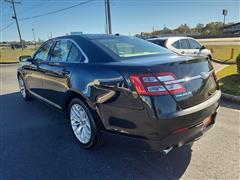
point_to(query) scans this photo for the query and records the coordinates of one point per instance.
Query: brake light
(151, 84)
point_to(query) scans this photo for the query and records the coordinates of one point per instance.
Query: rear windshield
(127, 47)
(159, 42)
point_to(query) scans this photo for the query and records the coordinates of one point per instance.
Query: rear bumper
(181, 138)
(173, 140)
(163, 132)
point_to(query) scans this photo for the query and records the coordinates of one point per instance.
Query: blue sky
(128, 16)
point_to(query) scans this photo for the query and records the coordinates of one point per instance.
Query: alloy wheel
(80, 123)
(22, 87)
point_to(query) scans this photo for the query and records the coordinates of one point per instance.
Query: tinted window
(184, 44)
(194, 44)
(42, 53)
(176, 45)
(125, 47)
(159, 42)
(75, 55)
(61, 50)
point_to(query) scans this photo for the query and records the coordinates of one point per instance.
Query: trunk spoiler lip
(202, 75)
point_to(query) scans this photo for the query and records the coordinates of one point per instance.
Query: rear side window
(159, 42)
(61, 50)
(184, 44)
(42, 53)
(75, 55)
(176, 45)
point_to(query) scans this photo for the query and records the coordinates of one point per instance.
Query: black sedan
(124, 86)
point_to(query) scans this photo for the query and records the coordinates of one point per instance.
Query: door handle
(182, 52)
(65, 71)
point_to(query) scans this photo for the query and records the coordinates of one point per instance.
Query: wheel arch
(19, 74)
(71, 94)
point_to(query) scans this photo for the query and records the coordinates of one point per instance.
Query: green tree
(213, 28)
(183, 29)
(199, 28)
(166, 30)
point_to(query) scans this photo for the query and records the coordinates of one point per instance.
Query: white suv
(182, 45)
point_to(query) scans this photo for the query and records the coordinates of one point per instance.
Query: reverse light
(151, 84)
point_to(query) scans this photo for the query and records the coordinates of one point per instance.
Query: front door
(57, 72)
(33, 70)
(195, 47)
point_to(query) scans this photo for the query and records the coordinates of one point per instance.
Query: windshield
(158, 42)
(126, 47)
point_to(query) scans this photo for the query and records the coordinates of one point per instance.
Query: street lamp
(34, 37)
(225, 12)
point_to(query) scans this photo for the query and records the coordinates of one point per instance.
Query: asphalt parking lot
(36, 142)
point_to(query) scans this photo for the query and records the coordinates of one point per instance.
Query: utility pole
(108, 17)
(16, 19)
(34, 37)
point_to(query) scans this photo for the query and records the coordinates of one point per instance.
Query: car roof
(172, 38)
(90, 36)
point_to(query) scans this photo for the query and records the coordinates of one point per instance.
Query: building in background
(232, 29)
(76, 33)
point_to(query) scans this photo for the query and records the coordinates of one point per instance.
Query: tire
(23, 90)
(210, 57)
(83, 124)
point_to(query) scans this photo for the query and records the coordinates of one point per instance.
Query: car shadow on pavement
(36, 142)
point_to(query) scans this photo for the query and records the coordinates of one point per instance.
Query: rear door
(185, 48)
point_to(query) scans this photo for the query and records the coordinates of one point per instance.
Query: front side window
(194, 44)
(60, 51)
(184, 44)
(42, 53)
(126, 47)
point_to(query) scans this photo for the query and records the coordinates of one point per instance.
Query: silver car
(183, 46)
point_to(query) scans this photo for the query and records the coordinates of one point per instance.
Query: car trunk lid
(189, 80)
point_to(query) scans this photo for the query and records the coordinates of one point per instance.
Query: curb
(9, 62)
(222, 62)
(230, 97)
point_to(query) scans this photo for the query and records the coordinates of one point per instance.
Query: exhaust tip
(167, 150)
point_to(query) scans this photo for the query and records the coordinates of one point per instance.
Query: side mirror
(25, 58)
(202, 47)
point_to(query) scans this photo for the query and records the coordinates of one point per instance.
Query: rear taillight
(151, 84)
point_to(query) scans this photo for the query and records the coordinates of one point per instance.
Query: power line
(56, 11)
(3, 8)
(6, 27)
(24, 10)
(12, 2)
(33, 7)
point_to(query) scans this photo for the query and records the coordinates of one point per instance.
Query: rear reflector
(180, 130)
(207, 121)
(156, 84)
